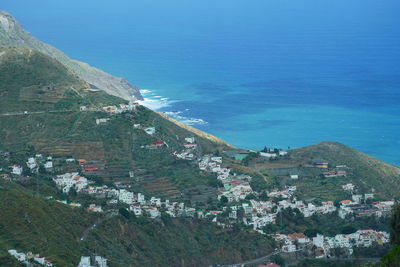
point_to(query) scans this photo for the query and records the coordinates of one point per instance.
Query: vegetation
(367, 173)
(292, 221)
(30, 223)
(392, 258)
(54, 125)
(15, 36)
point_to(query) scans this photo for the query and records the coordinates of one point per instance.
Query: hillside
(367, 173)
(32, 81)
(41, 112)
(13, 35)
(31, 223)
(54, 125)
(150, 191)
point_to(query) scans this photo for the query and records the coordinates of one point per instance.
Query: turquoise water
(277, 73)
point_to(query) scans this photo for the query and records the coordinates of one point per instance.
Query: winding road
(86, 232)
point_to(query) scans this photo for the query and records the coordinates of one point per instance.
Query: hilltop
(369, 174)
(13, 35)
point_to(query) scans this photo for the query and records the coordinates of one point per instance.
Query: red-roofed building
(158, 143)
(91, 169)
(81, 161)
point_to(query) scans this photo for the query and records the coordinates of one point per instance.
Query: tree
(125, 213)
(348, 229)
(223, 200)
(250, 196)
(278, 259)
(263, 196)
(392, 258)
(266, 150)
(312, 232)
(395, 226)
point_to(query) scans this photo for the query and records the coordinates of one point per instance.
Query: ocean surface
(285, 73)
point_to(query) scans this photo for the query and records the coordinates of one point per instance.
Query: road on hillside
(265, 258)
(19, 113)
(95, 224)
(253, 261)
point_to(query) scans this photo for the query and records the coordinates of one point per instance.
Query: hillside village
(30, 259)
(239, 203)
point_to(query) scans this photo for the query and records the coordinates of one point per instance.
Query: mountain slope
(30, 223)
(54, 124)
(13, 35)
(369, 174)
(32, 81)
(51, 96)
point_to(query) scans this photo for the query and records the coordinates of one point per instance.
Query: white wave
(145, 91)
(155, 104)
(186, 120)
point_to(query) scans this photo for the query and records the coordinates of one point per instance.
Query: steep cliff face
(13, 35)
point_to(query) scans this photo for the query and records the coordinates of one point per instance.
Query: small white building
(357, 198)
(150, 130)
(16, 169)
(102, 120)
(31, 163)
(190, 140)
(48, 166)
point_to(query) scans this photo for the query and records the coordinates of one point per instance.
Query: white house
(190, 140)
(16, 169)
(31, 163)
(348, 187)
(150, 130)
(318, 241)
(125, 196)
(357, 198)
(153, 212)
(140, 198)
(48, 165)
(155, 201)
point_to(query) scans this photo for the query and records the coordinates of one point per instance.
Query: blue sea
(285, 73)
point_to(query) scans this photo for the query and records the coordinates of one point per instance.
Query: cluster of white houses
(26, 258)
(260, 213)
(235, 187)
(131, 106)
(93, 261)
(324, 245)
(137, 202)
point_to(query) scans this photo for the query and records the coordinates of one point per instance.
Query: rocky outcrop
(13, 35)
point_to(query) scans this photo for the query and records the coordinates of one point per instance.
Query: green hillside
(51, 96)
(45, 108)
(30, 223)
(367, 173)
(13, 35)
(32, 81)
